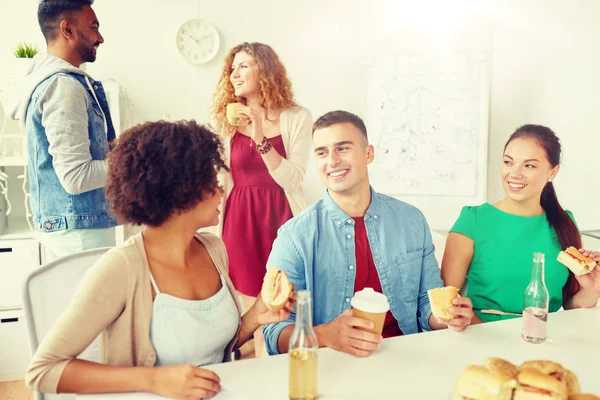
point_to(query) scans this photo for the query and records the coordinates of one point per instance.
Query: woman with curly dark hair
(163, 298)
(267, 157)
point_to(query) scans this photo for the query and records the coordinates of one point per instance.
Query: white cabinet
(14, 347)
(18, 258)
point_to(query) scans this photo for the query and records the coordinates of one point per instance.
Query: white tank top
(192, 332)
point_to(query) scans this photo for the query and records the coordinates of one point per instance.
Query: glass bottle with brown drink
(303, 352)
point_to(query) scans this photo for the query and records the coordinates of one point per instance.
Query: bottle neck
(303, 313)
(537, 271)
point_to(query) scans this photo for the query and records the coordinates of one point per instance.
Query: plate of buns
(499, 379)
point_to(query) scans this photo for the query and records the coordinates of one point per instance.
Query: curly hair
(275, 87)
(161, 168)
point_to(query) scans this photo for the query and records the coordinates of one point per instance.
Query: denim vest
(52, 207)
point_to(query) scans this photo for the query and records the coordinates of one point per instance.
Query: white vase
(21, 67)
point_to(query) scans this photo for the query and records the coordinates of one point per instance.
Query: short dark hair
(340, 117)
(158, 169)
(52, 12)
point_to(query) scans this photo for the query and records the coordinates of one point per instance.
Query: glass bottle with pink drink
(535, 304)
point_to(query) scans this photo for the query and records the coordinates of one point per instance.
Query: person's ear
(67, 30)
(370, 154)
(553, 173)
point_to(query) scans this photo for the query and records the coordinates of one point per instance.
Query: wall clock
(198, 41)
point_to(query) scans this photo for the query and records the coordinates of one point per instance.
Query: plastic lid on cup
(368, 300)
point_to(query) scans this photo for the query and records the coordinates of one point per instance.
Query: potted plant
(25, 50)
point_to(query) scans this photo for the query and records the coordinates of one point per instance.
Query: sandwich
(556, 371)
(479, 383)
(441, 300)
(276, 289)
(576, 262)
(234, 118)
(535, 385)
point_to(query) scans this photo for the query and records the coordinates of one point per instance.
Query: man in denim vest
(69, 129)
(355, 238)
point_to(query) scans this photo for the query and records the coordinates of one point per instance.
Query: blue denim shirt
(316, 249)
(53, 208)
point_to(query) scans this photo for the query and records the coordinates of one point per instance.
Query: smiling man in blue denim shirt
(322, 250)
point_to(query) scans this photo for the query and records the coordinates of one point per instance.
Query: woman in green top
(492, 245)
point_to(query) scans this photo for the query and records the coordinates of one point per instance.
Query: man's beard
(86, 53)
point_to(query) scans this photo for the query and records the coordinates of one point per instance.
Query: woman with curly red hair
(267, 158)
(163, 298)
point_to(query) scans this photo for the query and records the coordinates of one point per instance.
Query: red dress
(255, 209)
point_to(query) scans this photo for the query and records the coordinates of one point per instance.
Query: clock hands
(199, 41)
(193, 38)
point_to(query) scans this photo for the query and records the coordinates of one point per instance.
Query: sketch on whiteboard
(425, 118)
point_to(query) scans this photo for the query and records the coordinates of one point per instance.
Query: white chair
(47, 292)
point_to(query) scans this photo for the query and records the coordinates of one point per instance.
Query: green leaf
(25, 50)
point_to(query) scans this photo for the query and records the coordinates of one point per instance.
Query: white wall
(543, 62)
(546, 64)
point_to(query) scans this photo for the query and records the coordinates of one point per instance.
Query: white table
(422, 366)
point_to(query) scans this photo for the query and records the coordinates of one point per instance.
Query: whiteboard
(427, 117)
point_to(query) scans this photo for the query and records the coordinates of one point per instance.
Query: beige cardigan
(114, 296)
(296, 132)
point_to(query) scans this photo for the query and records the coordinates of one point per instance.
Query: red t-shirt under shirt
(366, 273)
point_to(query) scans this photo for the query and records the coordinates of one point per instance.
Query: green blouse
(503, 256)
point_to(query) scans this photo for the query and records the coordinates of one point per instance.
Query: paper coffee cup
(371, 305)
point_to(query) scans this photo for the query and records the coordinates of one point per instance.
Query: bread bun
(440, 300)
(556, 370)
(543, 366)
(535, 385)
(477, 382)
(234, 118)
(575, 261)
(501, 366)
(276, 289)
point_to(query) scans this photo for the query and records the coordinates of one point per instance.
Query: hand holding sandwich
(590, 281)
(264, 315)
(274, 304)
(450, 310)
(257, 117)
(276, 299)
(583, 265)
(259, 314)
